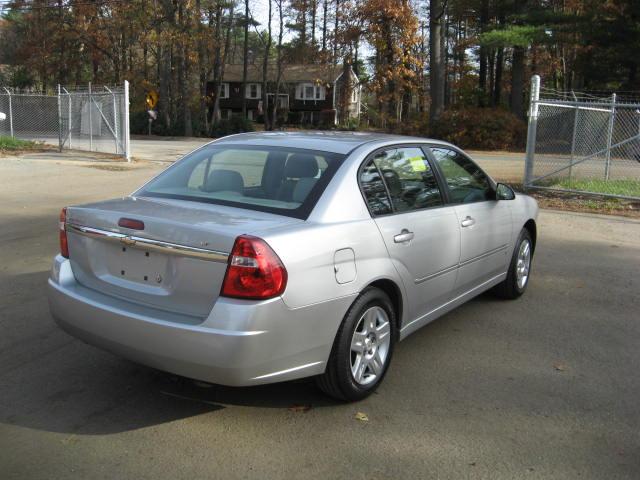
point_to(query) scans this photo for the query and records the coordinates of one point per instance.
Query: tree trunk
(517, 82)
(274, 118)
(265, 67)
(437, 73)
(335, 33)
(183, 71)
(245, 59)
(202, 65)
(497, 83)
(314, 10)
(482, 74)
(325, 6)
(227, 46)
(214, 115)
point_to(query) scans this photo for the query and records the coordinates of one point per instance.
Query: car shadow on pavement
(53, 382)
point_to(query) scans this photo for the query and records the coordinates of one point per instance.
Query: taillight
(64, 245)
(254, 270)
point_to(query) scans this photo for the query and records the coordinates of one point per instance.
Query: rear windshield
(281, 180)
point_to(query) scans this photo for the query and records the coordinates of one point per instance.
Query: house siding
(298, 112)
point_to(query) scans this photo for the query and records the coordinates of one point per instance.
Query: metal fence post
(90, 121)
(125, 123)
(59, 120)
(612, 119)
(10, 112)
(532, 129)
(573, 140)
(69, 115)
(115, 120)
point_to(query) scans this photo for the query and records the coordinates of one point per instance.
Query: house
(308, 94)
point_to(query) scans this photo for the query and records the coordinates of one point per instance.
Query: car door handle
(404, 236)
(467, 222)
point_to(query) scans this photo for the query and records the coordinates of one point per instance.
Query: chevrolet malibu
(267, 257)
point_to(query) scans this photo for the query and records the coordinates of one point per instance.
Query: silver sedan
(267, 257)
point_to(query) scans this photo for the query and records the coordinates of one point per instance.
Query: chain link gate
(91, 119)
(583, 144)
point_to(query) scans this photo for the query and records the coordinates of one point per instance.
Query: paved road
(505, 166)
(543, 387)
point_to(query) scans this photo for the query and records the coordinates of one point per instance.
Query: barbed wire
(625, 96)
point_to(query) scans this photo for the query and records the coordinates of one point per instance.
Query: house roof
(290, 73)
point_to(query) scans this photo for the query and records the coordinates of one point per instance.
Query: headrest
(392, 180)
(224, 180)
(301, 165)
(302, 189)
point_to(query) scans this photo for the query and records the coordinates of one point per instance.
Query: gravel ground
(543, 387)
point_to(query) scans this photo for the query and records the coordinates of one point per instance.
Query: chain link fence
(583, 143)
(91, 119)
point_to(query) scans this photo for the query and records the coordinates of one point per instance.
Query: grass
(627, 188)
(9, 144)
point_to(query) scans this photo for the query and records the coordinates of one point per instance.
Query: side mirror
(504, 192)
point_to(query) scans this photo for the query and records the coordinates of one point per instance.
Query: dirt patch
(22, 151)
(110, 168)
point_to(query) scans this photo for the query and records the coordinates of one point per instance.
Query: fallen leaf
(70, 440)
(560, 367)
(300, 408)
(363, 417)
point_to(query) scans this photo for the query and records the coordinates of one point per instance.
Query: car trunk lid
(176, 263)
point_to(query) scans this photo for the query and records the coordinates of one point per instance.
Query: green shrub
(481, 128)
(236, 124)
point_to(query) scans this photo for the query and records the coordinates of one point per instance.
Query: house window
(224, 90)
(254, 90)
(354, 95)
(309, 91)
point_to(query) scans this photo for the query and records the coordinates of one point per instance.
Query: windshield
(281, 180)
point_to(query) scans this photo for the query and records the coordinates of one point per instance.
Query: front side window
(274, 179)
(407, 177)
(466, 181)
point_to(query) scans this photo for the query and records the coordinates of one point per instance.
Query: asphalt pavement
(546, 386)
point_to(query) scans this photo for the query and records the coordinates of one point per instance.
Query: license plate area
(139, 265)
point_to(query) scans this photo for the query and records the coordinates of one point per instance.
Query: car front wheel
(362, 349)
(519, 269)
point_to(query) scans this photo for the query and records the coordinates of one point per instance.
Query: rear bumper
(240, 343)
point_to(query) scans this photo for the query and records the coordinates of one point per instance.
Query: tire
(339, 380)
(515, 284)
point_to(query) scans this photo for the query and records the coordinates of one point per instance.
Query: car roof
(327, 141)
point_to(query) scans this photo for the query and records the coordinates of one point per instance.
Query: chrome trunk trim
(149, 244)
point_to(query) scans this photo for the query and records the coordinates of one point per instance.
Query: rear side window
(407, 180)
(374, 190)
(272, 179)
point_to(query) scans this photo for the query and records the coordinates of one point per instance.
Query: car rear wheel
(362, 349)
(519, 269)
